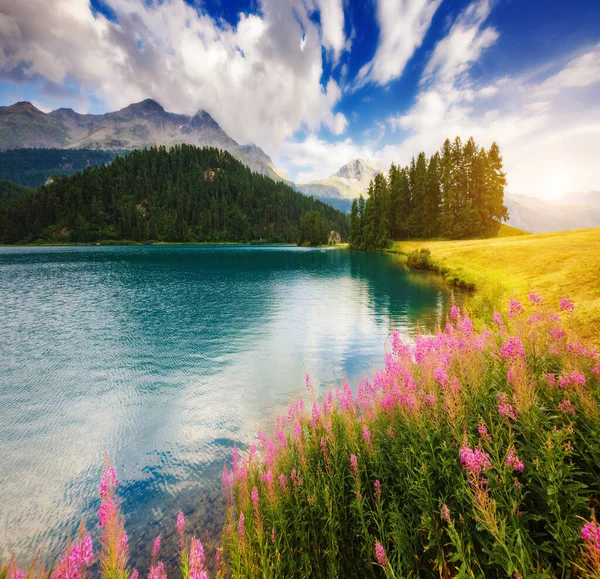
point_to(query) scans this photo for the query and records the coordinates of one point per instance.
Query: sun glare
(555, 185)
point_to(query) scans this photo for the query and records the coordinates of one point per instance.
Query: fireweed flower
(514, 462)
(483, 433)
(505, 409)
(366, 435)
(445, 513)
(550, 380)
(135, 574)
(380, 554)
(106, 512)
(514, 308)
(255, 496)
(180, 525)
(196, 558)
(557, 334)
(498, 319)
(158, 571)
(273, 535)
(124, 544)
(566, 305)
(156, 548)
(18, 574)
(475, 461)
(354, 465)
(567, 407)
(283, 482)
(454, 312)
(241, 529)
(377, 486)
(512, 349)
(535, 298)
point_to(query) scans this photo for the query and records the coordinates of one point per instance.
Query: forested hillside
(456, 193)
(10, 190)
(182, 194)
(32, 167)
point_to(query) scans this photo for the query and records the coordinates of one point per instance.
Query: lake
(163, 357)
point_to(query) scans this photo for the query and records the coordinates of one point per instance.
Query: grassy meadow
(555, 265)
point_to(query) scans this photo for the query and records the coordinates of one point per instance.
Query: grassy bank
(554, 264)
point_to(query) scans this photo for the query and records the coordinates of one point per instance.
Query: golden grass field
(555, 265)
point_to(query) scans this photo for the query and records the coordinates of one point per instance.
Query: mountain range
(136, 126)
(147, 123)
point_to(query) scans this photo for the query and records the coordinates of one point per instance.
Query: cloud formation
(261, 79)
(402, 27)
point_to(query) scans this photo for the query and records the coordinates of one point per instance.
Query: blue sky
(317, 83)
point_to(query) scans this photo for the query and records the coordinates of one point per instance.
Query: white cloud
(313, 158)
(402, 27)
(332, 26)
(463, 45)
(581, 71)
(261, 79)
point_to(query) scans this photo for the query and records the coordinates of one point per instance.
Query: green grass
(555, 265)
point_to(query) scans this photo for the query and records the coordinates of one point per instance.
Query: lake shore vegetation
(473, 452)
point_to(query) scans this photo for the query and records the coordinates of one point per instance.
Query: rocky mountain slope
(348, 182)
(136, 126)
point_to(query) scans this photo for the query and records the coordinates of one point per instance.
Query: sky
(317, 83)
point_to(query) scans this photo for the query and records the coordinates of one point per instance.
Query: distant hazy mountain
(348, 182)
(136, 126)
(537, 216)
(589, 199)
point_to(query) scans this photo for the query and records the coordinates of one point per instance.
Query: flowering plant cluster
(474, 452)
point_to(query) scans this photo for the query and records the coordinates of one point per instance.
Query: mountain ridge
(136, 126)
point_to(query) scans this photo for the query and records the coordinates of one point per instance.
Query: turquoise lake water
(164, 357)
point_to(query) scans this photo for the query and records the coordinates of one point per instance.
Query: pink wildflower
(158, 571)
(517, 484)
(567, 407)
(477, 461)
(134, 575)
(440, 375)
(590, 533)
(366, 435)
(483, 433)
(307, 381)
(566, 305)
(297, 429)
(269, 479)
(255, 496)
(196, 558)
(354, 465)
(514, 462)
(514, 308)
(283, 482)
(596, 370)
(454, 312)
(445, 513)
(512, 348)
(380, 554)
(124, 544)
(18, 574)
(377, 486)
(505, 409)
(557, 334)
(180, 524)
(106, 512)
(273, 535)
(573, 379)
(498, 319)
(550, 380)
(109, 482)
(535, 298)
(156, 548)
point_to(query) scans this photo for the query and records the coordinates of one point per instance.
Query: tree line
(32, 167)
(179, 194)
(457, 193)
